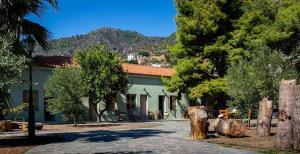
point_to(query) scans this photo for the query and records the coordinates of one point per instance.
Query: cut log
(25, 127)
(235, 128)
(264, 118)
(284, 139)
(38, 126)
(199, 122)
(5, 125)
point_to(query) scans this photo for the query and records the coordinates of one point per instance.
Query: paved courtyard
(171, 137)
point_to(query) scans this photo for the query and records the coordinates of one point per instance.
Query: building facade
(146, 98)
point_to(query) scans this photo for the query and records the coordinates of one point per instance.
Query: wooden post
(264, 118)
(249, 118)
(198, 120)
(284, 138)
(296, 119)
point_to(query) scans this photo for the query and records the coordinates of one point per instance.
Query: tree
(201, 51)
(249, 81)
(144, 53)
(11, 67)
(104, 75)
(212, 35)
(13, 17)
(66, 90)
(270, 23)
(14, 13)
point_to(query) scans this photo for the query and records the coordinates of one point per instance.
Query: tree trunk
(74, 121)
(92, 111)
(249, 118)
(296, 118)
(107, 105)
(198, 120)
(226, 127)
(264, 118)
(97, 113)
(284, 138)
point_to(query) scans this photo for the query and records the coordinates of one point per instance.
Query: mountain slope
(115, 39)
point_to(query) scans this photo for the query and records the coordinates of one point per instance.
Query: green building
(145, 99)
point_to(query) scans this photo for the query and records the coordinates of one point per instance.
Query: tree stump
(284, 139)
(229, 128)
(264, 118)
(199, 122)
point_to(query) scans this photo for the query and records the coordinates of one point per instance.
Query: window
(173, 103)
(35, 98)
(130, 102)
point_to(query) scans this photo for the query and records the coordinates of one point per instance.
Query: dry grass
(251, 142)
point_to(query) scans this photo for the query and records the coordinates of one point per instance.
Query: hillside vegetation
(116, 39)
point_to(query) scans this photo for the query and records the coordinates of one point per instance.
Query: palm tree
(13, 15)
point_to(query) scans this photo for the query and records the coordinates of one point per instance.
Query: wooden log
(198, 120)
(5, 125)
(296, 119)
(264, 118)
(38, 126)
(234, 128)
(284, 139)
(25, 127)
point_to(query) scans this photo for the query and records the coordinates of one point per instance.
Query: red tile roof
(147, 70)
(52, 61)
(63, 61)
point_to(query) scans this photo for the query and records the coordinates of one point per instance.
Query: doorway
(143, 107)
(161, 104)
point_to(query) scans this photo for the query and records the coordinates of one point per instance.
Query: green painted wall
(151, 86)
(39, 77)
(139, 85)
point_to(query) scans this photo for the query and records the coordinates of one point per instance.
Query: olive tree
(65, 90)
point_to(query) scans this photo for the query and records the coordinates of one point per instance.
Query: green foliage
(14, 16)
(275, 24)
(212, 35)
(202, 31)
(11, 67)
(16, 110)
(66, 90)
(103, 73)
(144, 53)
(115, 39)
(132, 62)
(251, 80)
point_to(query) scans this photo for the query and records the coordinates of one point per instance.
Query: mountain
(116, 39)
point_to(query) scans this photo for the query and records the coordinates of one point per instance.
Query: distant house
(132, 57)
(146, 95)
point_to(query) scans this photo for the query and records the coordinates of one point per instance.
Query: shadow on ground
(126, 152)
(88, 136)
(24, 141)
(109, 136)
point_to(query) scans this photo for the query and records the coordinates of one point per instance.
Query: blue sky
(149, 17)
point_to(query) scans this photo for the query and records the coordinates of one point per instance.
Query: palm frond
(40, 33)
